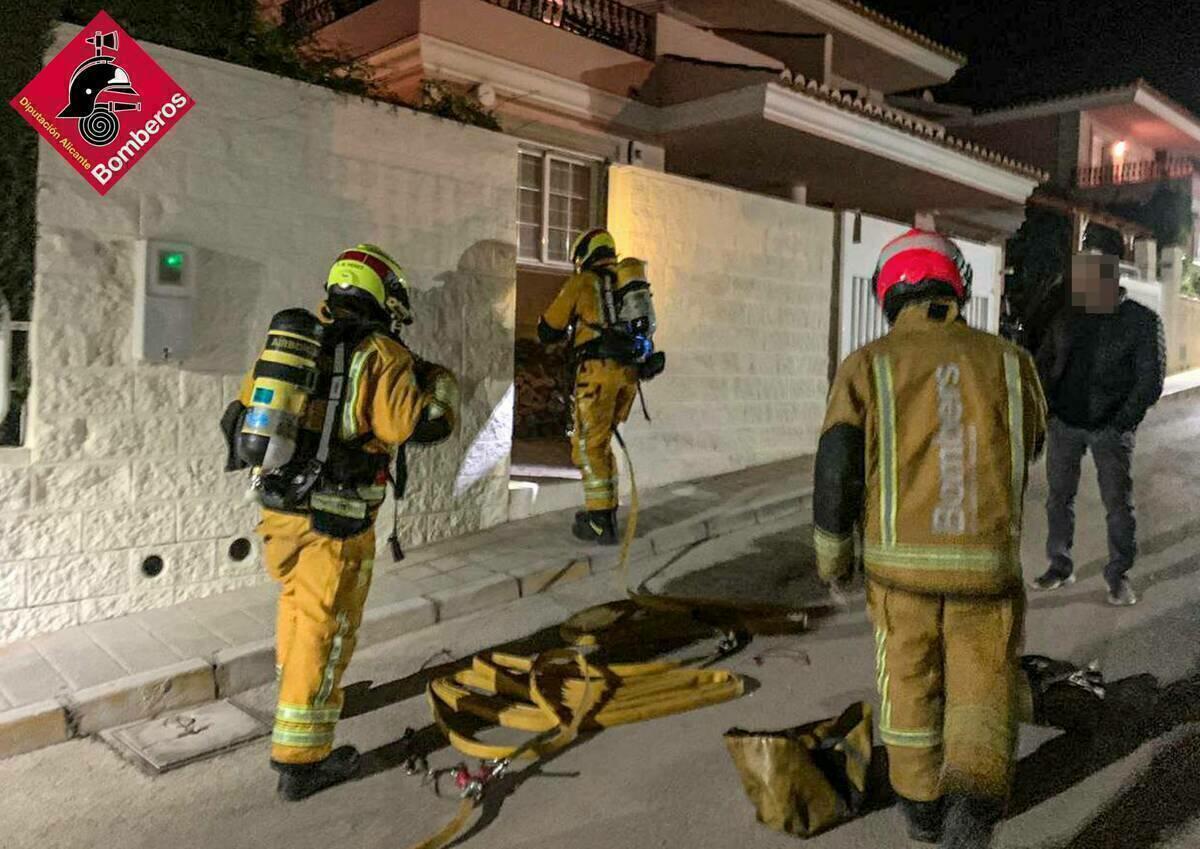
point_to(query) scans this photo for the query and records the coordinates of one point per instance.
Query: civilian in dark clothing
(1102, 364)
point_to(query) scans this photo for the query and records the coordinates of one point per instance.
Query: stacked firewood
(543, 390)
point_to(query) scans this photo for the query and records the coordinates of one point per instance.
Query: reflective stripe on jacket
(926, 446)
(381, 406)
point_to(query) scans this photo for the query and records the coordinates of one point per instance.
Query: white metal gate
(862, 319)
(1148, 293)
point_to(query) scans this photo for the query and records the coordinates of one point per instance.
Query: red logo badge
(102, 103)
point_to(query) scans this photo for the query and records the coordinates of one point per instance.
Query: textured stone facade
(742, 292)
(268, 179)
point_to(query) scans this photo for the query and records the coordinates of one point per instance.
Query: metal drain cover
(176, 739)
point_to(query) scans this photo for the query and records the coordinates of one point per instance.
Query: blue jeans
(1113, 453)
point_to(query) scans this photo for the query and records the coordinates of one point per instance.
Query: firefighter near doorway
(332, 397)
(606, 311)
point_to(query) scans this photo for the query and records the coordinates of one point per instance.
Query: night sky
(1028, 49)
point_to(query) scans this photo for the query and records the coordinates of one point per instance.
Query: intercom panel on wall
(164, 301)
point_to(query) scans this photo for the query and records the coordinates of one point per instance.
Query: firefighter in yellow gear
(321, 547)
(925, 448)
(606, 380)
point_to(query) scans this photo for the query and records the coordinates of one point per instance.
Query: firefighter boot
(1064, 695)
(970, 822)
(299, 781)
(596, 526)
(924, 819)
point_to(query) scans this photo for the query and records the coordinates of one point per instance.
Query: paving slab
(447, 562)
(27, 677)
(415, 572)
(388, 589)
(489, 592)
(681, 536)
(733, 521)
(78, 659)
(182, 632)
(262, 612)
(169, 742)
(267, 593)
(232, 625)
(606, 559)
(134, 648)
(546, 575)
(388, 621)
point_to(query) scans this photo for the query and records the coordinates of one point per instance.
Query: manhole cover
(171, 741)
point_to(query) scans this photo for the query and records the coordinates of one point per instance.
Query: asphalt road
(669, 783)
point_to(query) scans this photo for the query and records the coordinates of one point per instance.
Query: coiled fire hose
(557, 694)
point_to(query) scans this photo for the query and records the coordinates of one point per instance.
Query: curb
(31, 727)
(243, 667)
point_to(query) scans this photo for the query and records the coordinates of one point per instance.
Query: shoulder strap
(608, 304)
(333, 407)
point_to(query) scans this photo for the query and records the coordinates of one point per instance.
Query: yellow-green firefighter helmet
(592, 248)
(366, 275)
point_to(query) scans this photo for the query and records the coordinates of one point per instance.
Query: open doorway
(560, 195)
(541, 447)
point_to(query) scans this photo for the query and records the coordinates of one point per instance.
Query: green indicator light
(170, 267)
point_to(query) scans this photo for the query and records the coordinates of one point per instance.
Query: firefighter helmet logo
(119, 102)
(96, 78)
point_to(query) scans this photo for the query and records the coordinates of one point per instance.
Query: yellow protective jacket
(382, 400)
(925, 448)
(580, 300)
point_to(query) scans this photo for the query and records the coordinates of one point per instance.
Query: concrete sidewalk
(85, 679)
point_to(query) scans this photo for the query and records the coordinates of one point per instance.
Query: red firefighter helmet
(918, 259)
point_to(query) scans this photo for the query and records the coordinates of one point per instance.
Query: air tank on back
(285, 375)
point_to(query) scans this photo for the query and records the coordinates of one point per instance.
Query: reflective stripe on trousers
(325, 583)
(604, 395)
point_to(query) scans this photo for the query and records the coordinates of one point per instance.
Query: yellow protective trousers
(951, 690)
(604, 394)
(324, 585)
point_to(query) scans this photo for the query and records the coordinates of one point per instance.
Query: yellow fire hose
(558, 693)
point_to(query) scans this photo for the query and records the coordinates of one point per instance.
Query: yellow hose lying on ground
(624, 621)
(557, 694)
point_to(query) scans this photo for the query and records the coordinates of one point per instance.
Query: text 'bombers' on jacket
(925, 446)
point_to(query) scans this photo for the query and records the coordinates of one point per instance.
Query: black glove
(653, 366)
(231, 424)
(440, 416)
(548, 335)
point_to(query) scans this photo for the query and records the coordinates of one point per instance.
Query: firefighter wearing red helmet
(924, 451)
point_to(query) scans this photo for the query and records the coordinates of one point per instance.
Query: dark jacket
(1103, 371)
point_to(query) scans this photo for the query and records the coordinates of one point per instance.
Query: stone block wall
(742, 289)
(269, 179)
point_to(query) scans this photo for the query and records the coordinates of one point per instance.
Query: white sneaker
(1122, 595)
(1051, 581)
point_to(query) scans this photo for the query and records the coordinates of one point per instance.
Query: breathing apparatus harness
(626, 333)
(336, 483)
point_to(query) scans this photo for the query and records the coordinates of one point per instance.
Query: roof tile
(906, 31)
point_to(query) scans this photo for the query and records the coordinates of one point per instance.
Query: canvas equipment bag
(807, 779)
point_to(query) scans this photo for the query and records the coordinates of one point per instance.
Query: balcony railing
(311, 15)
(1145, 171)
(605, 21)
